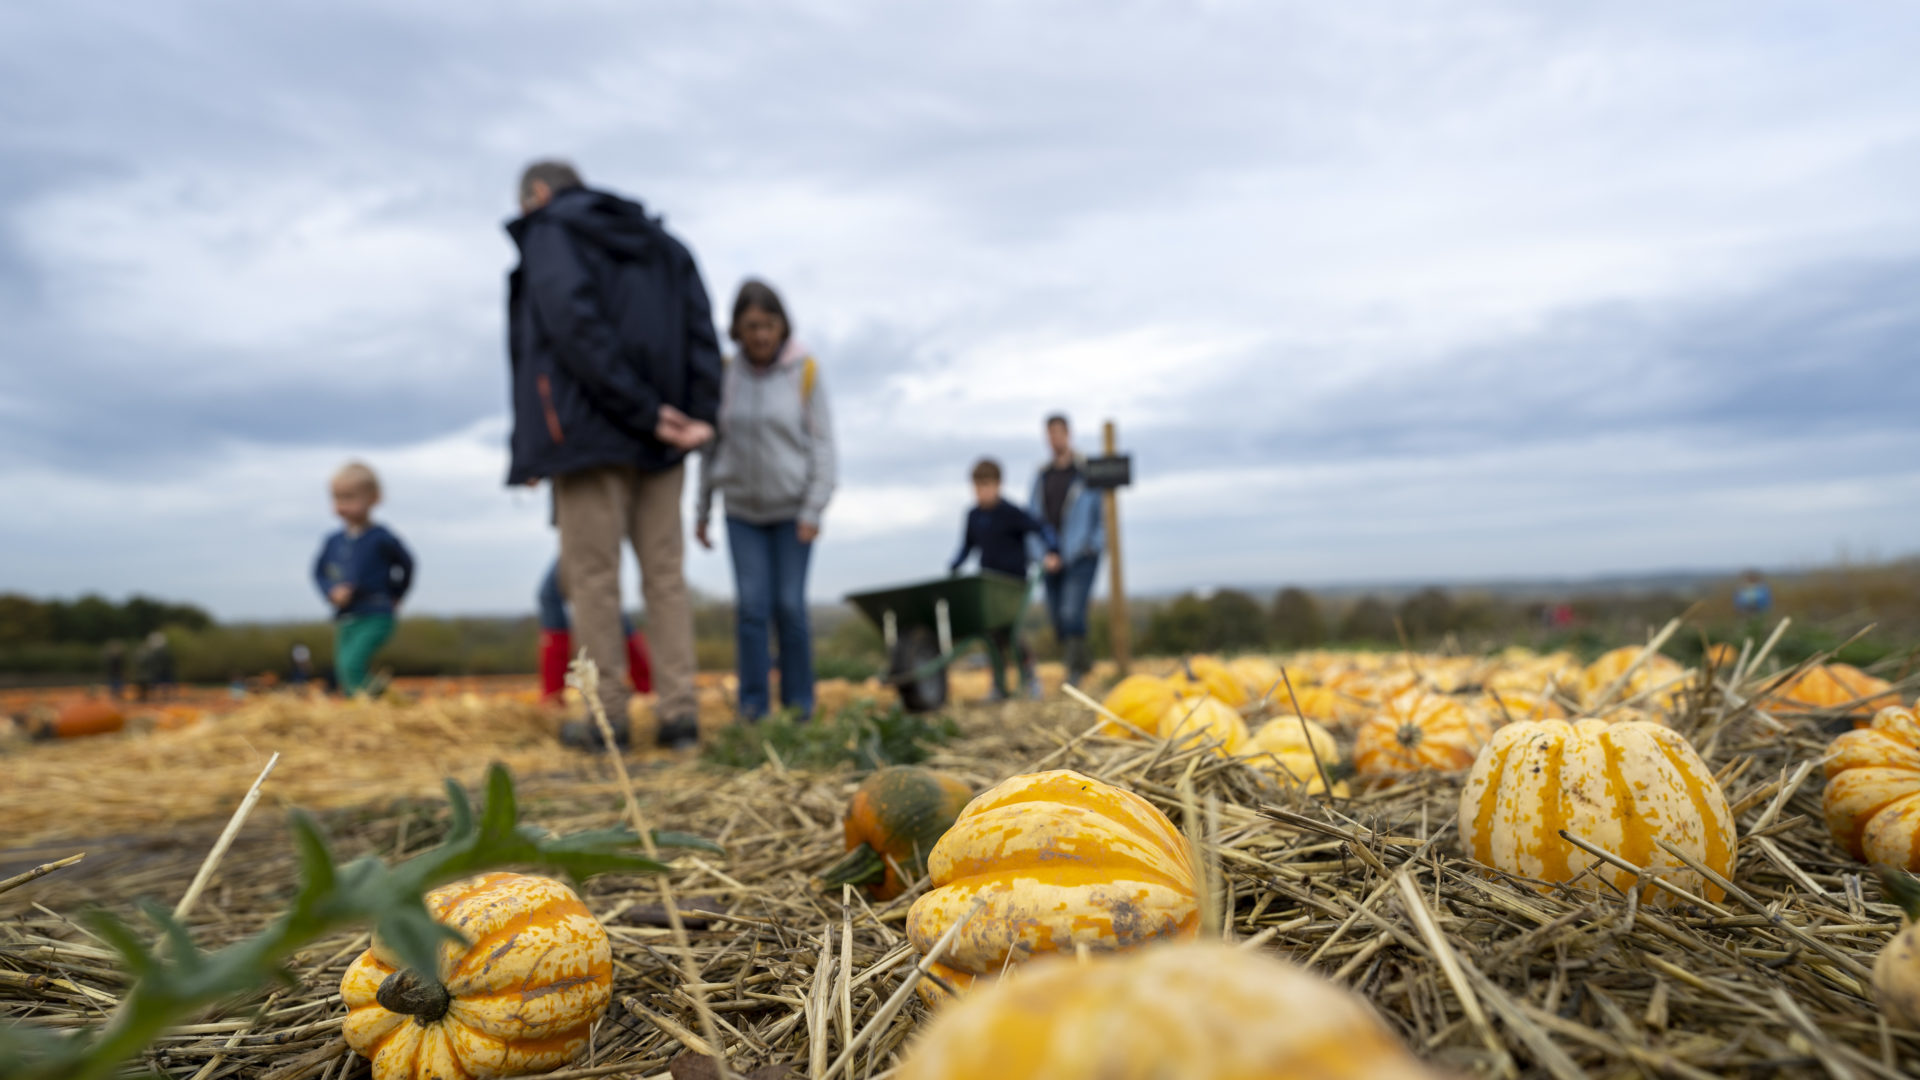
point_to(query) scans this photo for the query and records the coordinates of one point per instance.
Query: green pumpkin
(895, 818)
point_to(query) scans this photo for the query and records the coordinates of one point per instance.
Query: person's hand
(340, 594)
(677, 429)
(807, 531)
(694, 435)
(700, 534)
(1051, 562)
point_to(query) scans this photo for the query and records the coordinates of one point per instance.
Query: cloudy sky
(1395, 291)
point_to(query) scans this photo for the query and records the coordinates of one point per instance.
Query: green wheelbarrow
(926, 624)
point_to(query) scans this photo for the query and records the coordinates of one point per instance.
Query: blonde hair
(355, 474)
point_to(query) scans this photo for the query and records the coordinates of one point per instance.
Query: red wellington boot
(639, 663)
(556, 649)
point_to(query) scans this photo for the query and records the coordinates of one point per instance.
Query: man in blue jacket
(1062, 500)
(616, 376)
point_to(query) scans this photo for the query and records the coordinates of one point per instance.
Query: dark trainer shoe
(585, 735)
(680, 734)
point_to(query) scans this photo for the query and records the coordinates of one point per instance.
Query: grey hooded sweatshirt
(773, 457)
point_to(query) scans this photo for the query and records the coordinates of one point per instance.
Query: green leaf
(415, 937)
(459, 813)
(317, 878)
(502, 812)
(181, 951)
(331, 897)
(686, 841)
(120, 936)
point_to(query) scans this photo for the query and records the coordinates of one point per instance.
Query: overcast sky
(1382, 291)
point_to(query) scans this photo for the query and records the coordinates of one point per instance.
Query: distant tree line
(90, 620)
(1229, 620)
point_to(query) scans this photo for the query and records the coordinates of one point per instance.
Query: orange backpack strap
(809, 374)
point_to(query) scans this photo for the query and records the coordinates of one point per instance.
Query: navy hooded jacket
(607, 319)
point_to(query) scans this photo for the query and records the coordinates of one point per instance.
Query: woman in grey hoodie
(773, 463)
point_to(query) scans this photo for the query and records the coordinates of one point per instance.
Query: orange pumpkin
(1205, 719)
(895, 818)
(519, 996)
(1140, 700)
(80, 719)
(1061, 860)
(1872, 800)
(1196, 1011)
(1417, 731)
(1617, 786)
(1826, 687)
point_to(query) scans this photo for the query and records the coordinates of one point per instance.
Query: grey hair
(556, 174)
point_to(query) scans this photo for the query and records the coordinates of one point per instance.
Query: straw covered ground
(1479, 974)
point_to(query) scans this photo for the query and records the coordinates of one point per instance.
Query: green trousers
(355, 639)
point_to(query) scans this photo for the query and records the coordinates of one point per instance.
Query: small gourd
(1198, 1011)
(1140, 700)
(1620, 787)
(519, 996)
(1417, 731)
(1297, 752)
(1061, 860)
(895, 818)
(1872, 798)
(1205, 719)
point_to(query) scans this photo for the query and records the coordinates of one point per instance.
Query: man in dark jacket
(616, 376)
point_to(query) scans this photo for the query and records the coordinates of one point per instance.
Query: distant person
(300, 666)
(616, 376)
(1754, 597)
(998, 530)
(773, 463)
(556, 642)
(114, 658)
(364, 572)
(153, 667)
(1062, 499)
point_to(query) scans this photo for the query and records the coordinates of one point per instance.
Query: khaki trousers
(596, 509)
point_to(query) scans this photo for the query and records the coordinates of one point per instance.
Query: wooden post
(1120, 631)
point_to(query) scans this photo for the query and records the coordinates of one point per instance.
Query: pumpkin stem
(1409, 735)
(407, 991)
(861, 866)
(1903, 889)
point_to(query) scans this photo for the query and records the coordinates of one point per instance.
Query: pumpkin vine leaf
(176, 978)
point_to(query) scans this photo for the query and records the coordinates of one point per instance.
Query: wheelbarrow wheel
(917, 649)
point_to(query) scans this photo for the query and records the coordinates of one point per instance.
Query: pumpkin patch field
(1323, 864)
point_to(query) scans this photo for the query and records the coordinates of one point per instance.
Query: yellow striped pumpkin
(1061, 860)
(1416, 731)
(520, 996)
(1195, 1011)
(1619, 787)
(1872, 800)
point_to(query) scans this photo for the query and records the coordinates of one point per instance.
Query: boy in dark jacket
(998, 530)
(364, 572)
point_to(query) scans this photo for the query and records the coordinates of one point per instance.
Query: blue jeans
(1068, 593)
(770, 594)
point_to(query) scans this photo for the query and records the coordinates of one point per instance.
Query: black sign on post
(1110, 472)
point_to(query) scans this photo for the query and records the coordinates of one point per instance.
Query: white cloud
(1288, 246)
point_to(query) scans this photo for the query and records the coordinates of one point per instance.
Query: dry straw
(1477, 972)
